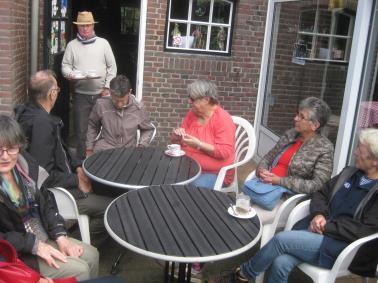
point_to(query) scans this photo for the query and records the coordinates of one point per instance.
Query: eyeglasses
(301, 117)
(57, 89)
(10, 151)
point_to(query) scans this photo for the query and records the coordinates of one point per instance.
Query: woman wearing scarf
(29, 218)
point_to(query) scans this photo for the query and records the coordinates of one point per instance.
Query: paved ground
(135, 268)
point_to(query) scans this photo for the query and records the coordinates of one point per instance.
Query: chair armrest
(298, 213)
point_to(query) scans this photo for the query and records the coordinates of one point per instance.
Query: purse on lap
(12, 269)
(263, 194)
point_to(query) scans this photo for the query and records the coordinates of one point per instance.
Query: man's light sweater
(94, 56)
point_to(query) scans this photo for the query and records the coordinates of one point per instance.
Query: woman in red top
(207, 133)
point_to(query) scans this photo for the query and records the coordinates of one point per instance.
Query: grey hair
(203, 88)
(318, 109)
(11, 133)
(370, 138)
(120, 86)
(40, 84)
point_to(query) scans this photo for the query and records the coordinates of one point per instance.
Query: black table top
(180, 224)
(134, 168)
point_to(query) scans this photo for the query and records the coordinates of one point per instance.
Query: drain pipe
(34, 36)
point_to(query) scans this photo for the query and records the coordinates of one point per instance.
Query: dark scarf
(86, 41)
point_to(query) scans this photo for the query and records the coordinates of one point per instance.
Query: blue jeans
(282, 253)
(206, 181)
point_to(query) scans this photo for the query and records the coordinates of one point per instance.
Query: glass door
(307, 52)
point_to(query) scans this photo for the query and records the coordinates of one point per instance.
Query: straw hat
(85, 18)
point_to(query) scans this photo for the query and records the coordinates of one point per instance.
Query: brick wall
(14, 49)
(166, 74)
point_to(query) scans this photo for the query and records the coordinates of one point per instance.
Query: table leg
(183, 275)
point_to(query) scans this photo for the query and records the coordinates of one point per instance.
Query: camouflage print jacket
(310, 167)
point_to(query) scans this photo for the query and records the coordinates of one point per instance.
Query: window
(199, 26)
(324, 35)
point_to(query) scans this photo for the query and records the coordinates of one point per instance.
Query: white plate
(181, 153)
(250, 214)
(78, 77)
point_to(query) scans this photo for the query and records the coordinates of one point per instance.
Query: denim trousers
(206, 181)
(282, 253)
(82, 107)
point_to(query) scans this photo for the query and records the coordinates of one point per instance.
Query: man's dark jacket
(345, 228)
(45, 144)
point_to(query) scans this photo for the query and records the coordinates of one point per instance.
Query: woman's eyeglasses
(10, 151)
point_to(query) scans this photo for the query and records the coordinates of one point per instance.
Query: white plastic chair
(244, 149)
(152, 137)
(68, 209)
(340, 267)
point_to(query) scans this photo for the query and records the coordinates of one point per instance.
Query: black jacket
(43, 131)
(347, 229)
(11, 225)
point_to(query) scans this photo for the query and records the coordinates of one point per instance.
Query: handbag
(13, 270)
(263, 194)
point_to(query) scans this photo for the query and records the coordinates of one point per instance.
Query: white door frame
(352, 86)
(141, 48)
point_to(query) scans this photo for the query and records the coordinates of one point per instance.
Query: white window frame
(209, 25)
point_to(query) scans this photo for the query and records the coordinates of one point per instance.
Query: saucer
(168, 152)
(250, 214)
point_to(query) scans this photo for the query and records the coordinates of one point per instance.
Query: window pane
(176, 33)
(179, 9)
(342, 24)
(325, 22)
(218, 39)
(221, 12)
(200, 10)
(322, 50)
(199, 32)
(307, 21)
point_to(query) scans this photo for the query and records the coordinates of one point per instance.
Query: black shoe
(238, 276)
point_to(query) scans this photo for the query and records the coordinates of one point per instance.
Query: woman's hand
(191, 141)
(178, 134)
(45, 280)
(49, 254)
(269, 177)
(317, 224)
(69, 248)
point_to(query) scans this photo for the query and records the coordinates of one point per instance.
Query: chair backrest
(68, 210)
(298, 213)
(245, 140)
(152, 137)
(245, 145)
(66, 203)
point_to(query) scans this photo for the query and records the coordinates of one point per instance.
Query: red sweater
(218, 131)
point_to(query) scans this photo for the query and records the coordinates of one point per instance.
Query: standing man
(87, 53)
(43, 132)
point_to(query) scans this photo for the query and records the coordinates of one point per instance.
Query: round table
(136, 167)
(180, 224)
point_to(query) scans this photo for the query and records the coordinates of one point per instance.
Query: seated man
(43, 131)
(117, 118)
(343, 211)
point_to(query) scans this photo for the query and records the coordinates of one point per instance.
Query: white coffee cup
(174, 149)
(242, 203)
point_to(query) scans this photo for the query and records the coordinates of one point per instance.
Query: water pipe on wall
(34, 36)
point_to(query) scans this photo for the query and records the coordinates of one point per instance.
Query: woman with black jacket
(29, 218)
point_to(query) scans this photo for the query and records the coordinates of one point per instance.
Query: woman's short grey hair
(120, 86)
(11, 133)
(370, 138)
(318, 109)
(203, 88)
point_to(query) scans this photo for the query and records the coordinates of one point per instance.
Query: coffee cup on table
(174, 149)
(243, 205)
